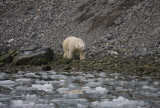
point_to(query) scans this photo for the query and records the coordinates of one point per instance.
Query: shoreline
(137, 65)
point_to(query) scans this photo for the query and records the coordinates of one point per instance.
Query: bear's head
(81, 48)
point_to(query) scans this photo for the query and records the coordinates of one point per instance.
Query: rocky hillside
(125, 26)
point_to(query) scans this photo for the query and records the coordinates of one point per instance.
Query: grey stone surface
(129, 26)
(34, 57)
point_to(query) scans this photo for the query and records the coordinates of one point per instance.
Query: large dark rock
(34, 57)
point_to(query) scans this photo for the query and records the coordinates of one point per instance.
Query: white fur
(73, 45)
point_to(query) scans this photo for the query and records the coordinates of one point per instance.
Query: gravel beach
(128, 27)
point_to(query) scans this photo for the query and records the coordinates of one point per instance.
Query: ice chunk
(58, 77)
(95, 104)
(45, 87)
(45, 82)
(62, 90)
(52, 72)
(31, 75)
(2, 105)
(93, 84)
(17, 103)
(31, 97)
(102, 74)
(155, 83)
(101, 90)
(89, 76)
(71, 95)
(88, 90)
(149, 88)
(2, 76)
(24, 80)
(98, 90)
(144, 83)
(7, 83)
(45, 76)
(81, 106)
(23, 88)
(120, 102)
(28, 104)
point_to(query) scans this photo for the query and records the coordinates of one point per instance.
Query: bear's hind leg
(70, 55)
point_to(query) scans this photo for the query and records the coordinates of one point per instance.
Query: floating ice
(88, 90)
(2, 105)
(31, 97)
(4, 98)
(155, 83)
(23, 88)
(73, 86)
(28, 104)
(149, 94)
(52, 72)
(24, 80)
(66, 103)
(71, 95)
(17, 103)
(149, 88)
(93, 84)
(144, 83)
(98, 90)
(101, 90)
(7, 83)
(2, 76)
(58, 77)
(116, 103)
(45, 87)
(62, 90)
(102, 74)
(45, 76)
(89, 76)
(122, 82)
(45, 82)
(31, 75)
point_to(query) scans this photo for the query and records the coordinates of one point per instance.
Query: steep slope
(125, 26)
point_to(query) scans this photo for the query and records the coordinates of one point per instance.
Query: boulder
(33, 57)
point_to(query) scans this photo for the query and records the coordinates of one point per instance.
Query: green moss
(131, 64)
(13, 53)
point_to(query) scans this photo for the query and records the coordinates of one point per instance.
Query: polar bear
(73, 45)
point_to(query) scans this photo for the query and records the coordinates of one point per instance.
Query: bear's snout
(85, 49)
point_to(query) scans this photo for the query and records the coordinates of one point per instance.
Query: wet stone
(77, 90)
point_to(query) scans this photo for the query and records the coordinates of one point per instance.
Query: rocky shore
(45, 60)
(129, 27)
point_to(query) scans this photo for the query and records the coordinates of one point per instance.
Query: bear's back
(67, 42)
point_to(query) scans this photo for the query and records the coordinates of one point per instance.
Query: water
(77, 90)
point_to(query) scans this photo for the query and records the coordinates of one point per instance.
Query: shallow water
(77, 90)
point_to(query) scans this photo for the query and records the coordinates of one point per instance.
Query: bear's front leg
(82, 56)
(70, 55)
